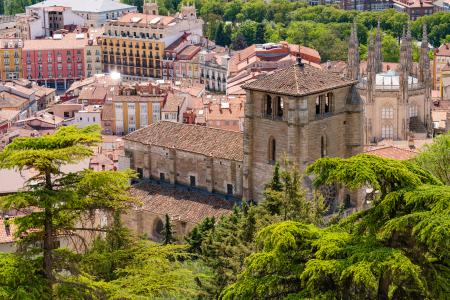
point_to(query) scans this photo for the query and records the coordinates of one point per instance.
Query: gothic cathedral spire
(353, 53)
(425, 76)
(371, 71)
(378, 54)
(405, 52)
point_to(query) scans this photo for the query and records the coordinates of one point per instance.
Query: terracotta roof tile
(93, 93)
(393, 153)
(298, 81)
(187, 206)
(173, 103)
(192, 138)
(443, 50)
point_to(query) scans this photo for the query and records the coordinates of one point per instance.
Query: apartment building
(134, 44)
(441, 61)
(93, 53)
(132, 112)
(414, 8)
(56, 62)
(11, 59)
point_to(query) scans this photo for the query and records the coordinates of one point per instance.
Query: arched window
(268, 105)
(323, 146)
(280, 107)
(272, 151)
(328, 103)
(158, 227)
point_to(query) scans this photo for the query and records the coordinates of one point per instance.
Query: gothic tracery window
(387, 113)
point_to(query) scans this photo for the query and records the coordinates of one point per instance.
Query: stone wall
(177, 166)
(149, 225)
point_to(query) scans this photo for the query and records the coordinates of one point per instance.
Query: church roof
(207, 141)
(298, 80)
(178, 203)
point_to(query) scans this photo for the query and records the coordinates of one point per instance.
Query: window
(387, 132)
(162, 176)
(272, 150)
(280, 107)
(328, 103)
(229, 189)
(192, 180)
(323, 146)
(268, 105)
(318, 105)
(413, 111)
(387, 113)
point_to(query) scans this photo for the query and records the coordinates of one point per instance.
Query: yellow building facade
(11, 59)
(132, 57)
(131, 113)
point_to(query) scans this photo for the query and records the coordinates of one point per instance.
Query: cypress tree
(168, 232)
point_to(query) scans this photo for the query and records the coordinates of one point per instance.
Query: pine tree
(168, 232)
(198, 234)
(397, 249)
(219, 35)
(58, 201)
(260, 33)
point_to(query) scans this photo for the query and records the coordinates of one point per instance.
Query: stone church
(397, 103)
(300, 113)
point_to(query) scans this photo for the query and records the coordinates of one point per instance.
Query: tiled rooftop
(393, 152)
(139, 18)
(69, 41)
(298, 80)
(173, 103)
(180, 204)
(192, 138)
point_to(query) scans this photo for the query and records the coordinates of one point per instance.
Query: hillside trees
(436, 158)
(397, 249)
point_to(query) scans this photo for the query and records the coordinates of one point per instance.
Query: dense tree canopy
(396, 249)
(436, 158)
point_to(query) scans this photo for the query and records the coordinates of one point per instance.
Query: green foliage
(21, 278)
(390, 48)
(168, 232)
(158, 272)
(397, 249)
(57, 202)
(195, 238)
(436, 158)
(225, 245)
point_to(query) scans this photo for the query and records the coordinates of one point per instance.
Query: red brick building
(56, 62)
